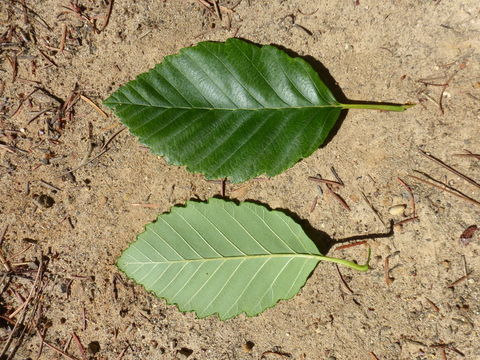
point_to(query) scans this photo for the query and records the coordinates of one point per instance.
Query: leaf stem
(384, 107)
(348, 263)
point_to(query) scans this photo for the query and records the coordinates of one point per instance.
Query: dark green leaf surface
(223, 258)
(229, 109)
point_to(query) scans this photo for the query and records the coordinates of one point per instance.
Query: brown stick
(64, 38)
(432, 304)
(440, 101)
(217, 9)
(350, 245)
(412, 198)
(338, 197)
(23, 101)
(92, 104)
(47, 58)
(314, 204)
(334, 172)
(372, 208)
(470, 154)
(444, 188)
(67, 344)
(107, 19)
(400, 223)
(324, 181)
(2, 234)
(84, 318)
(54, 348)
(444, 354)
(19, 253)
(40, 350)
(102, 151)
(122, 353)
(14, 64)
(458, 281)
(449, 168)
(79, 344)
(38, 115)
(343, 280)
(4, 261)
(34, 290)
(386, 271)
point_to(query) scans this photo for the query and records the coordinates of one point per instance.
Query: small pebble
(397, 209)
(446, 264)
(184, 353)
(94, 347)
(248, 346)
(45, 201)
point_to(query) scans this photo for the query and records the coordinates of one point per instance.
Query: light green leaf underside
(229, 109)
(221, 258)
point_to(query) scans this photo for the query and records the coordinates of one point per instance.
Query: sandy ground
(384, 51)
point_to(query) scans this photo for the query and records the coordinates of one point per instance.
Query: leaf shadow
(322, 240)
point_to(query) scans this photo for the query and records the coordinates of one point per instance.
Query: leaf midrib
(240, 257)
(326, 106)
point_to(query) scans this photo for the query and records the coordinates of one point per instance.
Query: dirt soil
(63, 231)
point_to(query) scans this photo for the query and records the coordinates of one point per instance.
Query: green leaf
(231, 109)
(223, 258)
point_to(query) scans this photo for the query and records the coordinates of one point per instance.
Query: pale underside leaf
(221, 258)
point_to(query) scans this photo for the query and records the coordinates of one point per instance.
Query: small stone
(45, 201)
(446, 264)
(184, 353)
(397, 209)
(248, 346)
(94, 347)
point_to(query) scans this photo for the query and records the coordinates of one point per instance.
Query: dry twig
(412, 197)
(386, 271)
(102, 151)
(343, 247)
(107, 18)
(469, 154)
(325, 181)
(54, 348)
(93, 105)
(343, 280)
(22, 310)
(444, 188)
(449, 168)
(460, 280)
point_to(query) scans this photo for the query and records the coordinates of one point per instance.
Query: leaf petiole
(348, 263)
(385, 107)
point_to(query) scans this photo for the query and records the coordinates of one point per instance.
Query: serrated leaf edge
(178, 306)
